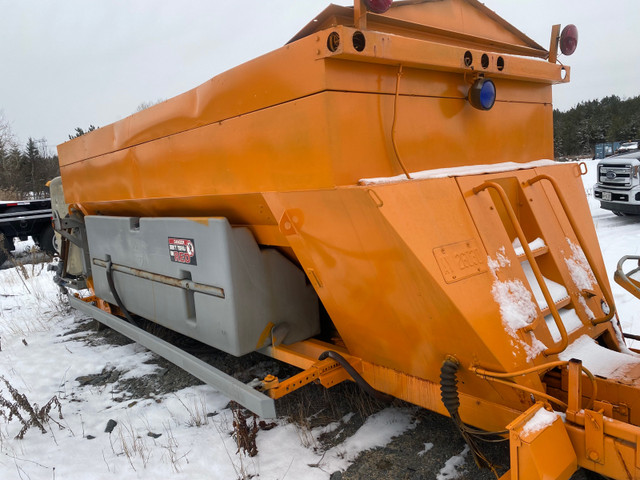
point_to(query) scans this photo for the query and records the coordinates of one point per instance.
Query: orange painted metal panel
(407, 270)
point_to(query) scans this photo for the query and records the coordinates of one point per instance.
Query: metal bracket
(72, 229)
(594, 435)
(277, 389)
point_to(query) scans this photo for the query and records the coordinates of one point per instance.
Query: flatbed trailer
(23, 219)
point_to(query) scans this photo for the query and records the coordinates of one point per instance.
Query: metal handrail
(623, 279)
(581, 242)
(564, 341)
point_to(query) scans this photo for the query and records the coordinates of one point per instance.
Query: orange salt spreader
(371, 202)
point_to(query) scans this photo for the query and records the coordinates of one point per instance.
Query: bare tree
(151, 103)
(7, 138)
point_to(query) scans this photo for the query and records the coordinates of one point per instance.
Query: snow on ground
(39, 359)
(618, 236)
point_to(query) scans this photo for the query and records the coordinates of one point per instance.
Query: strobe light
(482, 94)
(568, 40)
(378, 6)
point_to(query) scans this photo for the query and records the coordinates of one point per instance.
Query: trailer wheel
(47, 241)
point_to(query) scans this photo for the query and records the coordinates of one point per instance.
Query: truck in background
(618, 184)
(22, 219)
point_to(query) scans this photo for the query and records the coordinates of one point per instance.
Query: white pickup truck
(618, 183)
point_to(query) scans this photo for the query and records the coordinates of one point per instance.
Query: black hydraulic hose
(449, 387)
(383, 397)
(451, 401)
(114, 292)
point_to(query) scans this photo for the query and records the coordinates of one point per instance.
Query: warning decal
(182, 250)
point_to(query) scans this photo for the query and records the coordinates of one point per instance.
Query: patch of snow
(333, 426)
(457, 172)
(579, 268)
(570, 320)
(516, 304)
(541, 420)
(535, 245)
(47, 364)
(24, 246)
(501, 261)
(377, 431)
(452, 466)
(536, 347)
(623, 346)
(427, 447)
(603, 362)
(586, 308)
(517, 309)
(557, 291)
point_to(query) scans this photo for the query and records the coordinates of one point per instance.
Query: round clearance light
(378, 6)
(482, 94)
(568, 40)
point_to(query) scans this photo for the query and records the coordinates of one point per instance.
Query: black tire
(47, 241)
(619, 214)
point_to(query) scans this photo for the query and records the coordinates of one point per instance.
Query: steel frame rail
(234, 389)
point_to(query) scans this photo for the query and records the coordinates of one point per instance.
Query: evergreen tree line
(611, 119)
(24, 172)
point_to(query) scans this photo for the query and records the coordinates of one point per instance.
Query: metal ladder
(531, 257)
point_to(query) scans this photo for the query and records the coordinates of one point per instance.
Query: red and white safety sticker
(182, 250)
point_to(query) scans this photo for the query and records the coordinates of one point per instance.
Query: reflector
(569, 39)
(378, 6)
(482, 94)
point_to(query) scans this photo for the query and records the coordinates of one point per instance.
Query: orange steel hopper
(431, 231)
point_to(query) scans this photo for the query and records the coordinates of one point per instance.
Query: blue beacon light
(482, 94)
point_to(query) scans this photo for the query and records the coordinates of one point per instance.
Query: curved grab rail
(622, 279)
(564, 340)
(581, 242)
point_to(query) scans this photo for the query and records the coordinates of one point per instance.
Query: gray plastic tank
(202, 278)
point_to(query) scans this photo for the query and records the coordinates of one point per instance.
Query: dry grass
(10, 194)
(245, 430)
(197, 411)
(170, 445)
(131, 445)
(28, 414)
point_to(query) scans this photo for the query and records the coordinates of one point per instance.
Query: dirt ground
(315, 406)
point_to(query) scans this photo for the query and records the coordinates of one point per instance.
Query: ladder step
(559, 304)
(537, 247)
(536, 253)
(558, 292)
(570, 320)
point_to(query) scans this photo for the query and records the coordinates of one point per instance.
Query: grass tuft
(29, 415)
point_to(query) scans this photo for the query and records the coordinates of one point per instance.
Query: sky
(76, 63)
